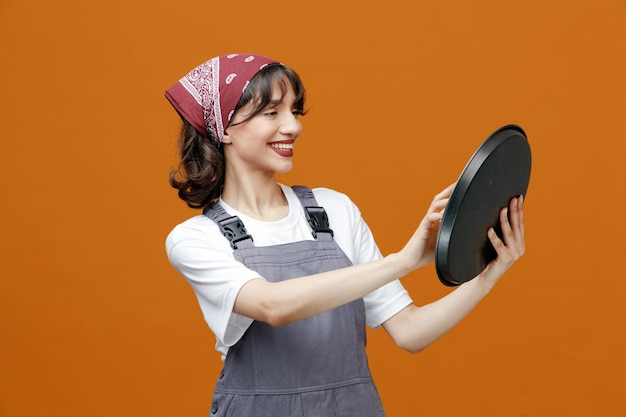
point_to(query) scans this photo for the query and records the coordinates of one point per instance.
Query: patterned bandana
(207, 96)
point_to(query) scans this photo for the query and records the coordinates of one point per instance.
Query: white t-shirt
(199, 251)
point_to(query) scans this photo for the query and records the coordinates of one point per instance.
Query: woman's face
(264, 144)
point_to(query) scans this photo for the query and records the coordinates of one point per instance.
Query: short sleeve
(199, 253)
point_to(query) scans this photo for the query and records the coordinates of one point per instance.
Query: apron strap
(231, 226)
(315, 215)
(234, 230)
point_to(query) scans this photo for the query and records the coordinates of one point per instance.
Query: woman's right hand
(420, 249)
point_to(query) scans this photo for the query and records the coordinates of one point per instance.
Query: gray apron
(309, 368)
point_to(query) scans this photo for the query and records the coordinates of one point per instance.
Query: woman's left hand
(512, 245)
(414, 328)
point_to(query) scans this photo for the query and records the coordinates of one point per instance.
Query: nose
(291, 125)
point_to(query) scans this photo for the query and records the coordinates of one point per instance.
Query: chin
(284, 169)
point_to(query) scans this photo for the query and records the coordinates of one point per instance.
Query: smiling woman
(207, 107)
(257, 128)
(288, 277)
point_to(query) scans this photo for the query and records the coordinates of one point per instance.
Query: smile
(282, 146)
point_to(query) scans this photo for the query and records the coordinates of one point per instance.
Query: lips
(283, 148)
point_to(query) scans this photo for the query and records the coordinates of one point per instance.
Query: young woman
(287, 278)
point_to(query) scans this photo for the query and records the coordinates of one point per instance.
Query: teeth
(282, 145)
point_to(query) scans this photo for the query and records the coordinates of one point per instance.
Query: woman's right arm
(287, 301)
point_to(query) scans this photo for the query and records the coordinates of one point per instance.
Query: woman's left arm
(415, 328)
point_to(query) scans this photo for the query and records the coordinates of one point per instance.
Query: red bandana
(207, 96)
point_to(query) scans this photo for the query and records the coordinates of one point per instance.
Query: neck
(259, 198)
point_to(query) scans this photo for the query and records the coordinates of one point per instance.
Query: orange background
(95, 322)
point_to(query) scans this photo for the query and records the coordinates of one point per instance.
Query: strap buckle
(318, 220)
(233, 229)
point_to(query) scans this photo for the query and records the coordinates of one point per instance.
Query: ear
(226, 138)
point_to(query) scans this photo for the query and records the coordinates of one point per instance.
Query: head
(207, 99)
(262, 87)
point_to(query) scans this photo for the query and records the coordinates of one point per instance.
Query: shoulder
(350, 230)
(333, 200)
(329, 194)
(338, 205)
(198, 233)
(195, 226)
(341, 210)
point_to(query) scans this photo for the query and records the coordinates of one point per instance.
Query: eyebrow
(274, 103)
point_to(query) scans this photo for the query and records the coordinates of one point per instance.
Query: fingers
(438, 205)
(505, 225)
(512, 244)
(446, 191)
(434, 217)
(519, 220)
(435, 211)
(515, 221)
(440, 201)
(434, 214)
(504, 254)
(512, 225)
